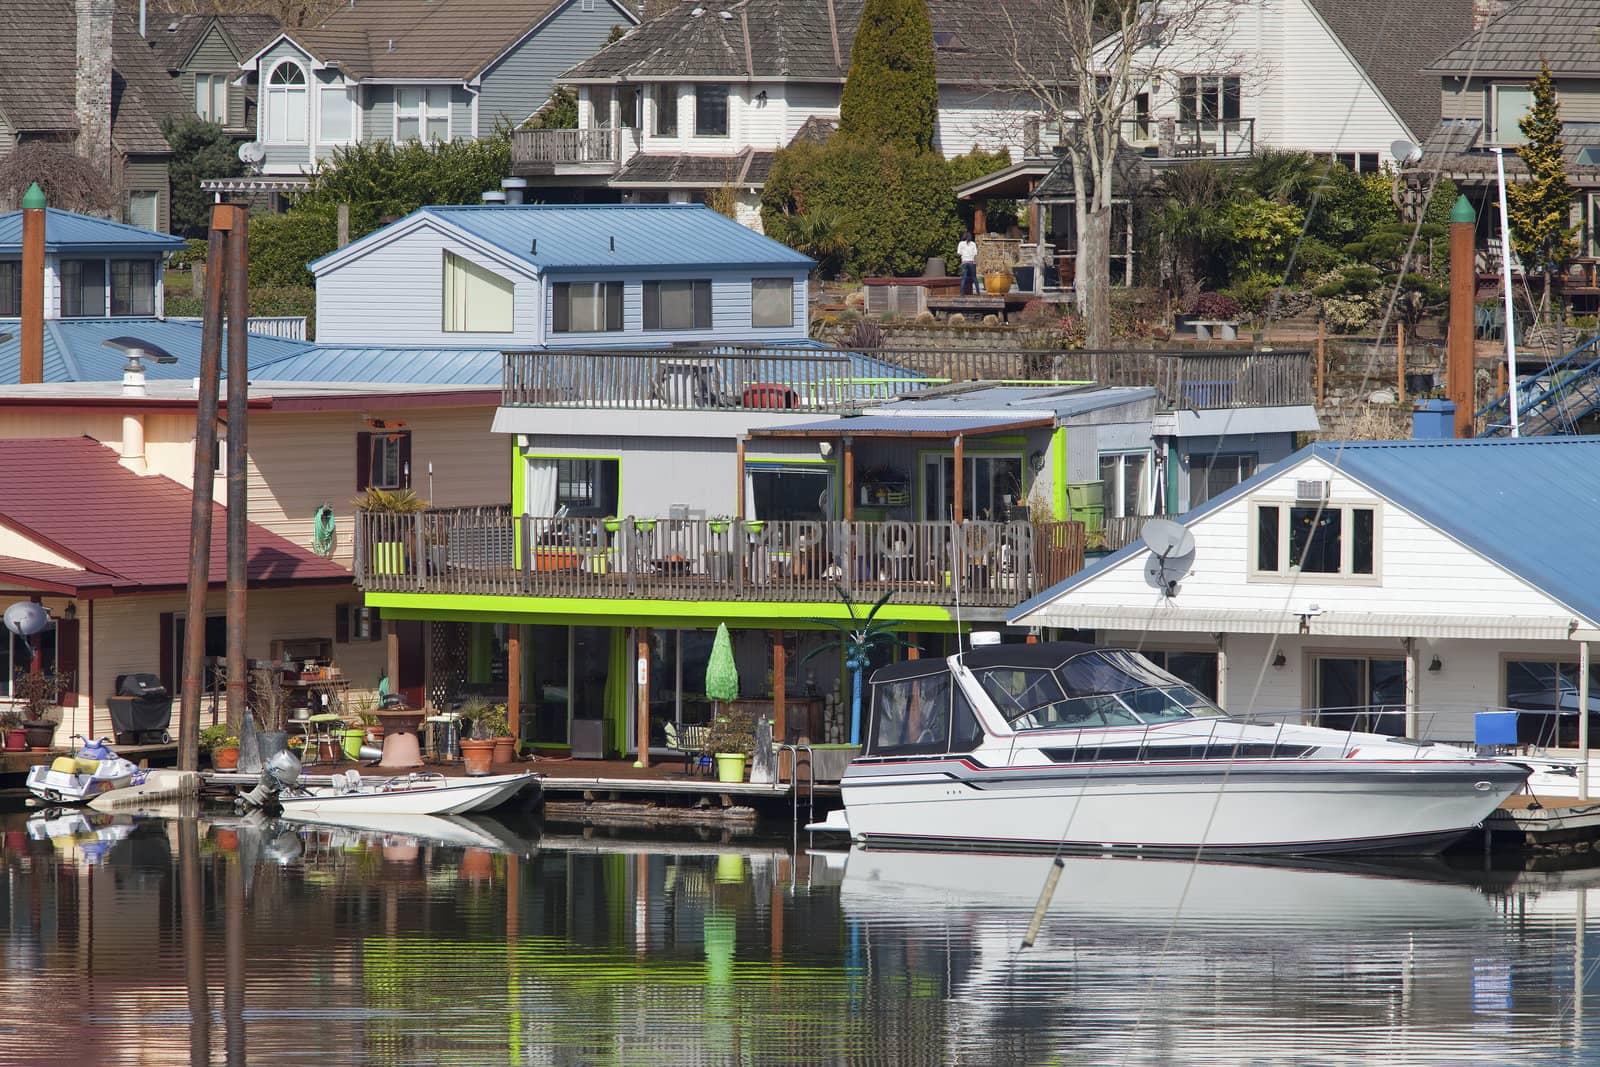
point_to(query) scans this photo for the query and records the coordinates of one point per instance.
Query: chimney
(1485, 11)
(31, 370)
(93, 96)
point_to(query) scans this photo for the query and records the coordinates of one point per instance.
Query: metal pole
(1505, 278)
(205, 439)
(1583, 720)
(238, 510)
(643, 709)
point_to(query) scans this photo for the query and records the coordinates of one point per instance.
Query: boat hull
(57, 787)
(435, 796)
(1246, 807)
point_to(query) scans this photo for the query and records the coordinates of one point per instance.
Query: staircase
(1552, 401)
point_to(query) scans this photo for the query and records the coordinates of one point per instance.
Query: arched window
(286, 104)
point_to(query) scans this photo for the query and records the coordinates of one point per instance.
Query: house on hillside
(202, 52)
(1391, 585)
(79, 76)
(415, 70)
(698, 99)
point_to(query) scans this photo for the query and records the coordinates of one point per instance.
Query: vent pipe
(493, 196)
(514, 189)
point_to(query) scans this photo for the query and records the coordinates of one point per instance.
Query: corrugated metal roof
(1061, 401)
(606, 236)
(1525, 503)
(74, 350)
(904, 425)
(68, 231)
(430, 366)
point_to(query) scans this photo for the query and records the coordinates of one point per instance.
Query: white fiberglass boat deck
(411, 794)
(1062, 744)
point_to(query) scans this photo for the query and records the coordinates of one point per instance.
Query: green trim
(617, 692)
(772, 461)
(581, 611)
(1174, 472)
(1058, 474)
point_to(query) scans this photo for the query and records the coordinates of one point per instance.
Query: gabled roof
(1522, 503)
(575, 237)
(129, 532)
(176, 36)
(425, 39)
(68, 231)
(74, 349)
(792, 40)
(1558, 32)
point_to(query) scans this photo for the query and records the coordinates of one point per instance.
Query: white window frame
(1113, 495)
(216, 93)
(349, 93)
(303, 90)
(1290, 569)
(424, 112)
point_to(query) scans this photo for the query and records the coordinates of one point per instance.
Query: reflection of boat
(71, 829)
(1018, 746)
(76, 779)
(468, 831)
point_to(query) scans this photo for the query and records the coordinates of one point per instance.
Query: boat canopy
(1064, 685)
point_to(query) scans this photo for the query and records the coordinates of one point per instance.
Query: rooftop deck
(833, 381)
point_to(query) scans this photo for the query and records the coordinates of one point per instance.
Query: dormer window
(286, 104)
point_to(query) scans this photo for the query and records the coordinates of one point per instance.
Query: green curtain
(616, 692)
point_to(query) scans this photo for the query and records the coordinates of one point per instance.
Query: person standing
(967, 252)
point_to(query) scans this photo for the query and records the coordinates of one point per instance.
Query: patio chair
(689, 740)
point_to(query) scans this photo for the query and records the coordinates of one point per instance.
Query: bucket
(353, 740)
(730, 766)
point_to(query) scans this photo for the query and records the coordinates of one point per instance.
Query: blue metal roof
(421, 366)
(1525, 503)
(68, 231)
(573, 237)
(74, 349)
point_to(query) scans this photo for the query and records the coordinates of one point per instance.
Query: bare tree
(1085, 63)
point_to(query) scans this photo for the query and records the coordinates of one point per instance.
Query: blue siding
(520, 83)
(377, 112)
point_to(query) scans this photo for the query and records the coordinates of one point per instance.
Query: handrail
(1533, 398)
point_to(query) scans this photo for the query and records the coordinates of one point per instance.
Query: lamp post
(1505, 278)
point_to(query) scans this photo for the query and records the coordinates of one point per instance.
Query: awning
(904, 426)
(1172, 619)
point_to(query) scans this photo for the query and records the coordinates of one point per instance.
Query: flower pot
(997, 283)
(476, 756)
(352, 740)
(730, 766)
(477, 865)
(505, 749)
(718, 526)
(224, 759)
(39, 733)
(644, 525)
(611, 525)
(16, 740)
(228, 840)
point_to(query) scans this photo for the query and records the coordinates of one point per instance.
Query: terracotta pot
(225, 759)
(477, 865)
(16, 741)
(375, 733)
(505, 750)
(228, 840)
(476, 755)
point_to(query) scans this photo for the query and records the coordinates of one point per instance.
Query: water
(211, 940)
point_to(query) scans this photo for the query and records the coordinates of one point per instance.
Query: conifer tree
(1539, 209)
(890, 95)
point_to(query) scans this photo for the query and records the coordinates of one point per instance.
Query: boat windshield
(1111, 687)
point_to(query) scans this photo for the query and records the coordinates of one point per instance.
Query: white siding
(394, 295)
(801, 102)
(971, 119)
(18, 546)
(658, 472)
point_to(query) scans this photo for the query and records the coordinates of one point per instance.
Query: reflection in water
(218, 939)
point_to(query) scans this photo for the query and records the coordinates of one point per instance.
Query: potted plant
(997, 282)
(477, 751)
(11, 726)
(732, 741)
(498, 730)
(39, 693)
(223, 746)
(389, 545)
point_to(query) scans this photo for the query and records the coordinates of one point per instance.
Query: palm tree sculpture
(858, 639)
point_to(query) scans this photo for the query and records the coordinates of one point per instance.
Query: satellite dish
(252, 152)
(25, 618)
(1404, 152)
(1171, 548)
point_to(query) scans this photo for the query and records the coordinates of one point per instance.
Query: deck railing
(832, 380)
(490, 552)
(587, 146)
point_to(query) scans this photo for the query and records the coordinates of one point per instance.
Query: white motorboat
(408, 794)
(1068, 745)
(77, 779)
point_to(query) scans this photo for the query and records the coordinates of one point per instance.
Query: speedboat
(351, 795)
(77, 779)
(1067, 745)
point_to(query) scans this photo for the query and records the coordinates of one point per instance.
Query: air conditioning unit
(1312, 492)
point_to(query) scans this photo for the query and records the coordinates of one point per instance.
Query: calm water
(207, 940)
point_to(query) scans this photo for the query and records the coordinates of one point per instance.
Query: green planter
(612, 524)
(352, 742)
(730, 766)
(644, 525)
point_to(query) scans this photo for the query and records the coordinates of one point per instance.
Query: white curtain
(750, 494)
(541, 487)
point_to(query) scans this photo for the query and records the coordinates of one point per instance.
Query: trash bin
(1433, 420)
(1086, 504)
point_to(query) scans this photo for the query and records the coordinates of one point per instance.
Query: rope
(323, 530)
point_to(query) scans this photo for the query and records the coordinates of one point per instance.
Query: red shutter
(363, 460)
(405, 460)
(67, 658)
(164, 668)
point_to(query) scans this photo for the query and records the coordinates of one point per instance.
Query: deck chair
(689, 740)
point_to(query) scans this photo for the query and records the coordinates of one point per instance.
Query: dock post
(514, 681)
(1583, 720)
(238, 534)
(780, 690)
(643, 727)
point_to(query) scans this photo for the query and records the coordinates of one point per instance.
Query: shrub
(200, 149)
(1214, 306)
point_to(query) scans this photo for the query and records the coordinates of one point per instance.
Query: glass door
(1362, 694)
(991, 485)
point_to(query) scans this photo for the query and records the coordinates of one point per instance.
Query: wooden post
(643, 727)
(238, 542)
(391, 636)
(738, 473)
(780, 690)
(1322, 360)
(849, 480)
(342, 226)
(514, 680)
(1400, 360)
(961, 478)
(915, 651)
(31, 366)
(980, 219)
(1463, 292)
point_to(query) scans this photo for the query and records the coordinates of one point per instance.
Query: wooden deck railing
(832, 380)
(589, 145)
(489, 552)
(1122, 530)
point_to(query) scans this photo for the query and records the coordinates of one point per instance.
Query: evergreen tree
(1540, 208)
(890, 94)
(200, 149)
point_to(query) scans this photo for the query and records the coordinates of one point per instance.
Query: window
(1361, 693)
(585, 307)
(10, 289)
(1360, 162)
(1211, 475)
(133, 287)
(1207, 101)
(1198, 669)
(286, 104)
(990, 484)
(711, 111)
(772, 302)
(788, 492)
(83, 288)
(911, 715)
(1549, 686)
(211, 97)
(677, 305)
(336, 115)
(1126, 476)
(586, 487)
(666, 110)
(476, 300)
(1307, 539)
(144, 209)
(1511, 102)
(383, 459)
(422, 113)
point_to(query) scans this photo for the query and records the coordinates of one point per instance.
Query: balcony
(1177, 139)
(487, 551)
(585, 151)
(732, 378)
